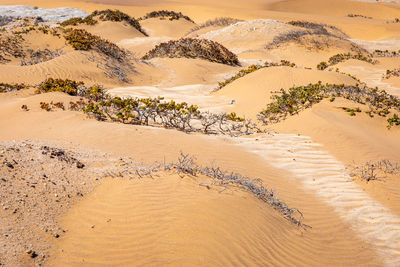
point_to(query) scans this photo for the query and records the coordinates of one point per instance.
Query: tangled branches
(187, 165)
(253, 68)
(299, 98)
(375, 170)
(39, 56)
(194, 48)
(162, 14)
(333, 60)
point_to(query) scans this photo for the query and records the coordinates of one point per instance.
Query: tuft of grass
(194, 48)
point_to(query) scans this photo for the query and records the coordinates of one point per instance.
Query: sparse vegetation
(39, 56)
(296, 99)
(371, 170)
(221, 22)
(358, 16)
(352, 111)
(105, 15)
(163, 14)
(80, 39)
(11, 46)
(194, 48)
(6, 87)
(385, 53)
(333, 60)
(253, 68)
(392, 73)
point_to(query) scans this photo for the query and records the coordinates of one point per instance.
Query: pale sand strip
(328, 178)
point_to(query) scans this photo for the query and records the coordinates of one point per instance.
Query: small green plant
(352, 111)
(394, 120)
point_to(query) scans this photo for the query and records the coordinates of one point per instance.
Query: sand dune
(132, 219)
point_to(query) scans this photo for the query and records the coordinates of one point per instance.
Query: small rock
(9, 165)
(80, 165)
(56, 235)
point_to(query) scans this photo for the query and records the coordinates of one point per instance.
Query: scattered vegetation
(45, 106)
(11, 46)
(392, 73)
(6, 87)
(253, 68)
(394, 120)
(187, 165)
(312, 36)
(194, 48)
(371, 170)
(80, 39)
(333, 60)
(358, 16)
(39, 56)
(105, 15)
(385, 53)
(296, 99)
(218, 22)
(163, 14)
(59, 85)
(50, 106)
(352, 111)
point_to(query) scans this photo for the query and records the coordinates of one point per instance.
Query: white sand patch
(48, 15)
(328, 178)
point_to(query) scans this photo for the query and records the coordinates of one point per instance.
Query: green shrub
(172, 15)
(59, 85)
(6, 87)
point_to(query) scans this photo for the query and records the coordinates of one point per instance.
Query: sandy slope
(174, 221)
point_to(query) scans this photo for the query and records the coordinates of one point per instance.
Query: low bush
(6, 87)
(352, 111)
(59, 85)
(333, 60)
(392, 73)
(385, 53)
(358, 16)
(171, 15)
(253, 68)
(80, 39)
(375, 170)
(285, 103)
(194, 48)
(105, 15)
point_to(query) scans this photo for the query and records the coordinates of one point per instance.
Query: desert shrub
(392, 73)
(352, 111)
(116, 15)
(59, 85)
(394, 120)
(375, 170)
(222, 22)
(39, 56)
(45, 106)
(358, 16)
(253, 68)
(194, 48)
(76, 21)
(385, 53)
(105, 15)
(80, 39)
(285, 103)
(335, 59)
(6, 87)
(171, 15)
(11, 46)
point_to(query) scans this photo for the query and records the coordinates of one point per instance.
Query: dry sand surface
(318, 187)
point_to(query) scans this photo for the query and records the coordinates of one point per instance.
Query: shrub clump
(162, 14)
(333, 60)
(296, 99)
(358, 16)
(105, 15)
(6, 87)
(385, 53)
(392, 73)
(80, 39)
(194, 48)
(59, 85)
(253, 68)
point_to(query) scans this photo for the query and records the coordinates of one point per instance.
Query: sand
(124, 218)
